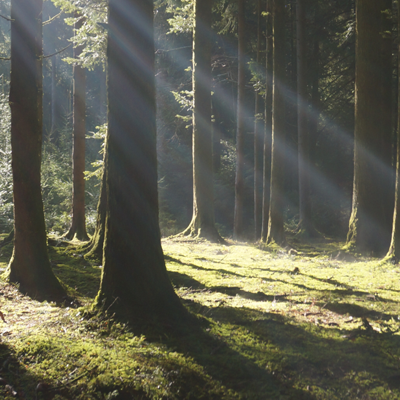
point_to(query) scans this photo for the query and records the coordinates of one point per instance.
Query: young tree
(78, 226)
(368, 227)
(275, 227)
(203, 220)
(240, 125)
(29, 265)
(267, 124)
(134, 276)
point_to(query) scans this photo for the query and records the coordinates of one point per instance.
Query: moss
(270, 324)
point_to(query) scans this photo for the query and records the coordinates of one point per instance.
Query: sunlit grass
(272, 324)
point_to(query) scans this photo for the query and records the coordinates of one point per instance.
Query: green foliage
(57, 183)
(98, 165)
(92, 36)
(185, 99)
(6, 194)
(182, 20)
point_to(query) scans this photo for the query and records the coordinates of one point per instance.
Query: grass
(309, 323)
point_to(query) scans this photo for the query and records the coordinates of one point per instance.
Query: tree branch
(6, 18)
(58, 52)
(51, 19)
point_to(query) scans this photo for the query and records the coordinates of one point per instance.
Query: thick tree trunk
(78, 226)
(203, 220)
(305, 227)
(239, 180)
(368, 227)
(134, 280)
(258, 140)
(29, 265)
(275, 227)
(267, 125)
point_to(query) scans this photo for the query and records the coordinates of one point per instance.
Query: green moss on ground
(306, 322)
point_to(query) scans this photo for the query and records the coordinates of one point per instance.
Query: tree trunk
(53, 129)
(368, 230)
(394, 249)
(29, 265)
(267, 125)
(258, 140)
(78, 226)
(95, 247)
(275, 227)
(305, 227)
(134, 280)
(203, 220)
(239, 180)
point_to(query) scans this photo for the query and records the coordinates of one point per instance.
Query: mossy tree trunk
(275, 226)
(394, 249)
(369, 230)
(29, 265)
(134, 280)
(258, 138)
(203, 220)
(238, 230)
(78, 226)
(267, 124)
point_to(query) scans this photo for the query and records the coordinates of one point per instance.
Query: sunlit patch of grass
(297, 323)
(330, 327)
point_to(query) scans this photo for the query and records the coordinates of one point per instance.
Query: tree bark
(275, 227)
(95, 247)
(29, 265)
(78, 226)
(240, 126)
(368, 227)
(394, 249)
(203, 220)
(53, 129)
(258, 139)
(305, 226)
(134, 282)
(267, 125)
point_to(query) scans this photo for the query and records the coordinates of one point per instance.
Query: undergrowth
(308, 322)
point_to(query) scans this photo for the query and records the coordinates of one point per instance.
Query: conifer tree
(78, 226)
(134, 279)
(369, 230)
(29, 265)
(275, 227)
(203, 220)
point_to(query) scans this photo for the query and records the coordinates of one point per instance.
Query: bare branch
(58, 52)
(6, 18)
(52, 19)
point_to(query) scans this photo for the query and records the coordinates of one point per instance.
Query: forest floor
(309, 323)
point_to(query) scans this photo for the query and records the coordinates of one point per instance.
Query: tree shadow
(318, 356)
(226, 365)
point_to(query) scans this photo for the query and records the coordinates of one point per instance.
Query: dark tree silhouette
(134, 279)
(29, 265)
(78, 226)
(203, 220)
(275, 227)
